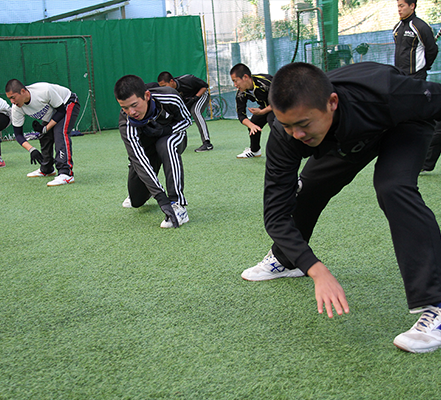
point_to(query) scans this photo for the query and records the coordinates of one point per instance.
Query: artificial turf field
(99, 302)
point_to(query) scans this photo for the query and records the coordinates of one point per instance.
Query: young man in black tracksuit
(415, 52)
(153, 124)
(344, 119)
(254, 88)
(415, 46)
(196, 97)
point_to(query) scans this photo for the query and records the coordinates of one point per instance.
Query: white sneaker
(38, 173)
(425, 335)
(181, 215)
(127, 203)
(61, 179)
(270, 268)
(247, 153)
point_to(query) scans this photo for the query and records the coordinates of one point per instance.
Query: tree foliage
(435, 12)
(352, 3)
(252, 26)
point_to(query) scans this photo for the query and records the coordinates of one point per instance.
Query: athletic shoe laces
(270, 261)
(427, 320)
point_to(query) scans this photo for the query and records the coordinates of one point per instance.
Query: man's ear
(333, 101)
(147, 95)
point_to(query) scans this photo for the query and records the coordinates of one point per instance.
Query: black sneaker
(207, 146)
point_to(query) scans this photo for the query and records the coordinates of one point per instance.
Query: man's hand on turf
(36, 156)
(167, 209)
(328, 291)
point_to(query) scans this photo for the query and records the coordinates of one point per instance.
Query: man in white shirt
(57, 108)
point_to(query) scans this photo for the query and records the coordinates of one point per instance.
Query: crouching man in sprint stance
(57, 108)
(153, 124)
(344, 119)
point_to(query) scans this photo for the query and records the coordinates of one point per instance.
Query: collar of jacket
(152, 114)
(409, 18)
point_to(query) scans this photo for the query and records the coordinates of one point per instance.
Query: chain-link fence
(266, 34)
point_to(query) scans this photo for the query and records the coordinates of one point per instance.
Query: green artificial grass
(99, 302)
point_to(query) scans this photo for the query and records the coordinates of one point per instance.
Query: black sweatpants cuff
(162, 199)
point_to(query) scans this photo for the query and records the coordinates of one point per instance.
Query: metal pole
(217, 58)
(269, 38)
(206, 63)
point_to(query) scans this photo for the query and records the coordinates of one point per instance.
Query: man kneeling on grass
(153, 124)
(345, 119)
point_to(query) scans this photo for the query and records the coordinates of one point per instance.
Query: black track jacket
(188, 85)
(415, 46)
(259, 94)
(172, 118)
(372, 99)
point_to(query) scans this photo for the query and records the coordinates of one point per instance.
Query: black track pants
(261, 121)
(167, 152)
(434, 150)
(196, 112)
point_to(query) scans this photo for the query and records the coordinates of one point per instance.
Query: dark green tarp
(72, 53)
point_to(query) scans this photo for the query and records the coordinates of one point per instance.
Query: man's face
(171, 84)
(135, 107)
(243, 83)
(404, 10)
(19, 98)
(309, 125)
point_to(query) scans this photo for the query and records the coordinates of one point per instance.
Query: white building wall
(13, 12)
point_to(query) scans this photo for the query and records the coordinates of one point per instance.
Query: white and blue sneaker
(270, 268)
(425, 335)
(181, 215)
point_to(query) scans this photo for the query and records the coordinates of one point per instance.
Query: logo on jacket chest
(409, 34)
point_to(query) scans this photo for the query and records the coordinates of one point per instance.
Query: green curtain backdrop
(113, 48)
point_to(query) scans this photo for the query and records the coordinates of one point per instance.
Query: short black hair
(14, 86)
(300, 84)
(128, 86)
(410, 2)
(165, 76)
(240, 70)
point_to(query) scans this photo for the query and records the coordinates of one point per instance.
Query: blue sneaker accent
(277, 267)
(425, 334)
(269, 268)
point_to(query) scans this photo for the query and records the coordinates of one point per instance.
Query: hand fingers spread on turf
(336, 299)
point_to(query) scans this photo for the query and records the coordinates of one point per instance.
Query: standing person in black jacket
(196, 97)
(153, 124)
(344, 120)
(415, 52)
(415, 46)
(253, 88)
